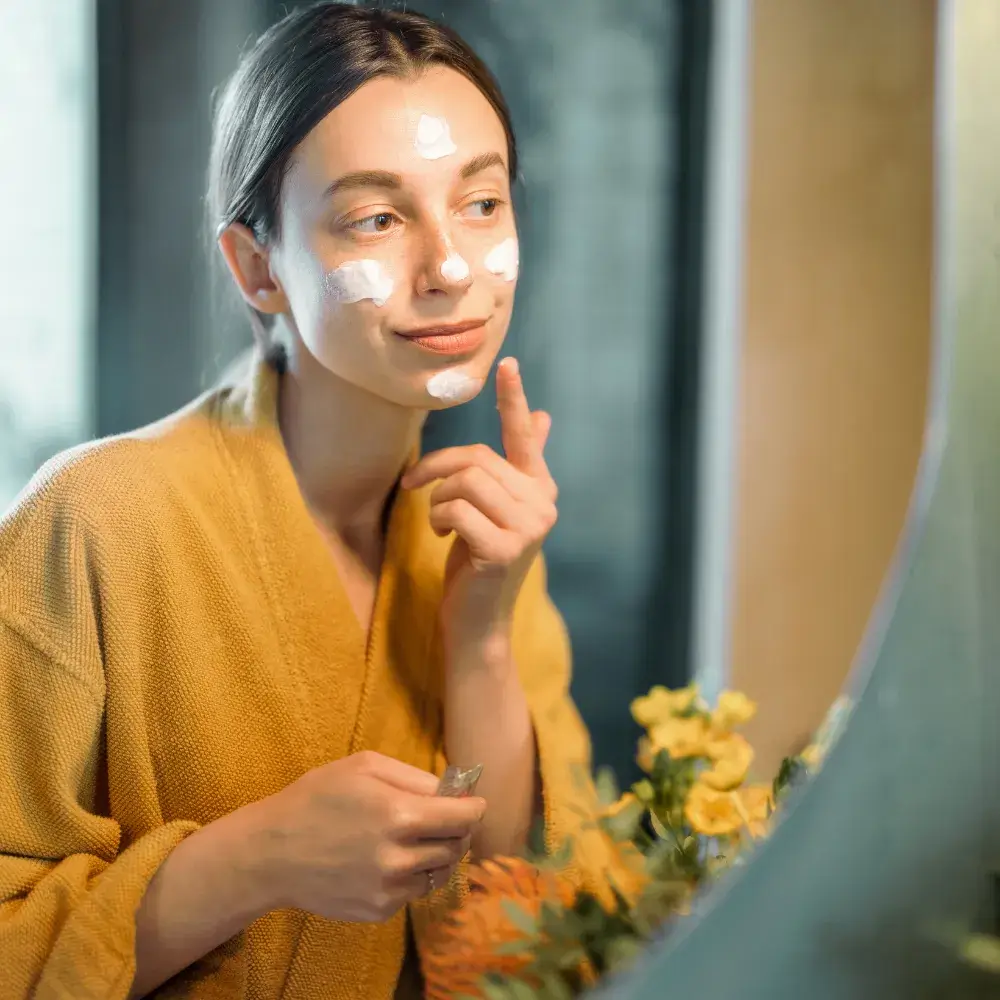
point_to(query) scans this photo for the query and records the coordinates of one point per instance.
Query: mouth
(453, 338)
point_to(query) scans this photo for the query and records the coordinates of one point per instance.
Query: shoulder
(115, 485)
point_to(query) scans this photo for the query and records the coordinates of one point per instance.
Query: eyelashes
(383, 223)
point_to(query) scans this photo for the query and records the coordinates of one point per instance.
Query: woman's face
(398, 251)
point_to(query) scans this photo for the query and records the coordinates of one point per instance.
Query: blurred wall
(160, 336)
(836, 352)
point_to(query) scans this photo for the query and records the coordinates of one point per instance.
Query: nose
(443, 270)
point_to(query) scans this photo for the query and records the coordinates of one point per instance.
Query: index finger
(437, 818)
(394, 772)
(517, 429)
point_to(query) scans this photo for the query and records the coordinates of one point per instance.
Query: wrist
(253, 840)
(489, 647)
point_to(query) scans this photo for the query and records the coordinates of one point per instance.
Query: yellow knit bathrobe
(174, 644)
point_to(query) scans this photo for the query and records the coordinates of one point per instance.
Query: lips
(454, 338)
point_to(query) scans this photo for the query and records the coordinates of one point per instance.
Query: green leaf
(662, 767)
(624, 824)
(520, 990)
(644, 791)
(572, 957)
(607, 787)
(554, 987)
(520, 917)
(495, 989)
(520, 947)
(791, 771)
(564, 855)
(537, 847)
(622, 952)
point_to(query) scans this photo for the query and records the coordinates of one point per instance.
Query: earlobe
(249, 265)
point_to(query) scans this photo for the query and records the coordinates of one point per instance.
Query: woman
(239, 646)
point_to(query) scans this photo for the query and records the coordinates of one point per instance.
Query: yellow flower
(732, 756)
(646, 755)
(621, 805)
(733, 709)
(680, 737)
(755, 804)
(712, 813)
(660, 704)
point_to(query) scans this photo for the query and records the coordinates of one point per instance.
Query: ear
(249, 264)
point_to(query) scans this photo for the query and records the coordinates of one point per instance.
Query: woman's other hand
(359, 838)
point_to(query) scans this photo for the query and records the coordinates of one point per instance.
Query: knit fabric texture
(174, 644)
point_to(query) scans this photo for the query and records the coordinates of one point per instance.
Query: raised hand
(500, 509)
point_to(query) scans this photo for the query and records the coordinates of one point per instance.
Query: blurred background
(725, 300)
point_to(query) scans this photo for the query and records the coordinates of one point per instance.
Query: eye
(381, 222)
(483, 209)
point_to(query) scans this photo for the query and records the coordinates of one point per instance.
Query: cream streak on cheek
(355, 280)
(433, 139)
(503, 259)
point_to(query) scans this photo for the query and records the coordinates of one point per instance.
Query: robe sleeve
(68, 891)
(569, 798)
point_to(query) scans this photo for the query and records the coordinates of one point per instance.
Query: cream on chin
(453, 386)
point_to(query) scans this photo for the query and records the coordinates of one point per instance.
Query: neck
(346, 446)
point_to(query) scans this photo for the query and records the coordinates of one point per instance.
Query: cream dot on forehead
(355, 280)
(503, 259)
(433, 138)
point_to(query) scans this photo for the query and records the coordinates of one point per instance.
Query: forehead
(375, 128)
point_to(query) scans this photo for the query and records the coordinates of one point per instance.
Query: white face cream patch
(433, 139)
(454, 268)
(453, 386)
(355, 280)
(503, 260)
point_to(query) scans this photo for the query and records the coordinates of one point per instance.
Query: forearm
(487, 721)
(208, 890)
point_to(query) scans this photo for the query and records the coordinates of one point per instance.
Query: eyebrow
(394, 182)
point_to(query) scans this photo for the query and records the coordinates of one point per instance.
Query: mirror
(836, 352)
(880, 880)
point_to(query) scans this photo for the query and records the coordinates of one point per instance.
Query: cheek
(357, 281)
(502, 261)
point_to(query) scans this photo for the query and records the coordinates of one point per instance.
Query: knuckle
(400, 816)
(481, 452)
(383, 860)
(473, 475)
(549, 515)
(388, 861)
(508, 552)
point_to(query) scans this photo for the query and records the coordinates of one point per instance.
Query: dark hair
(296, 73)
